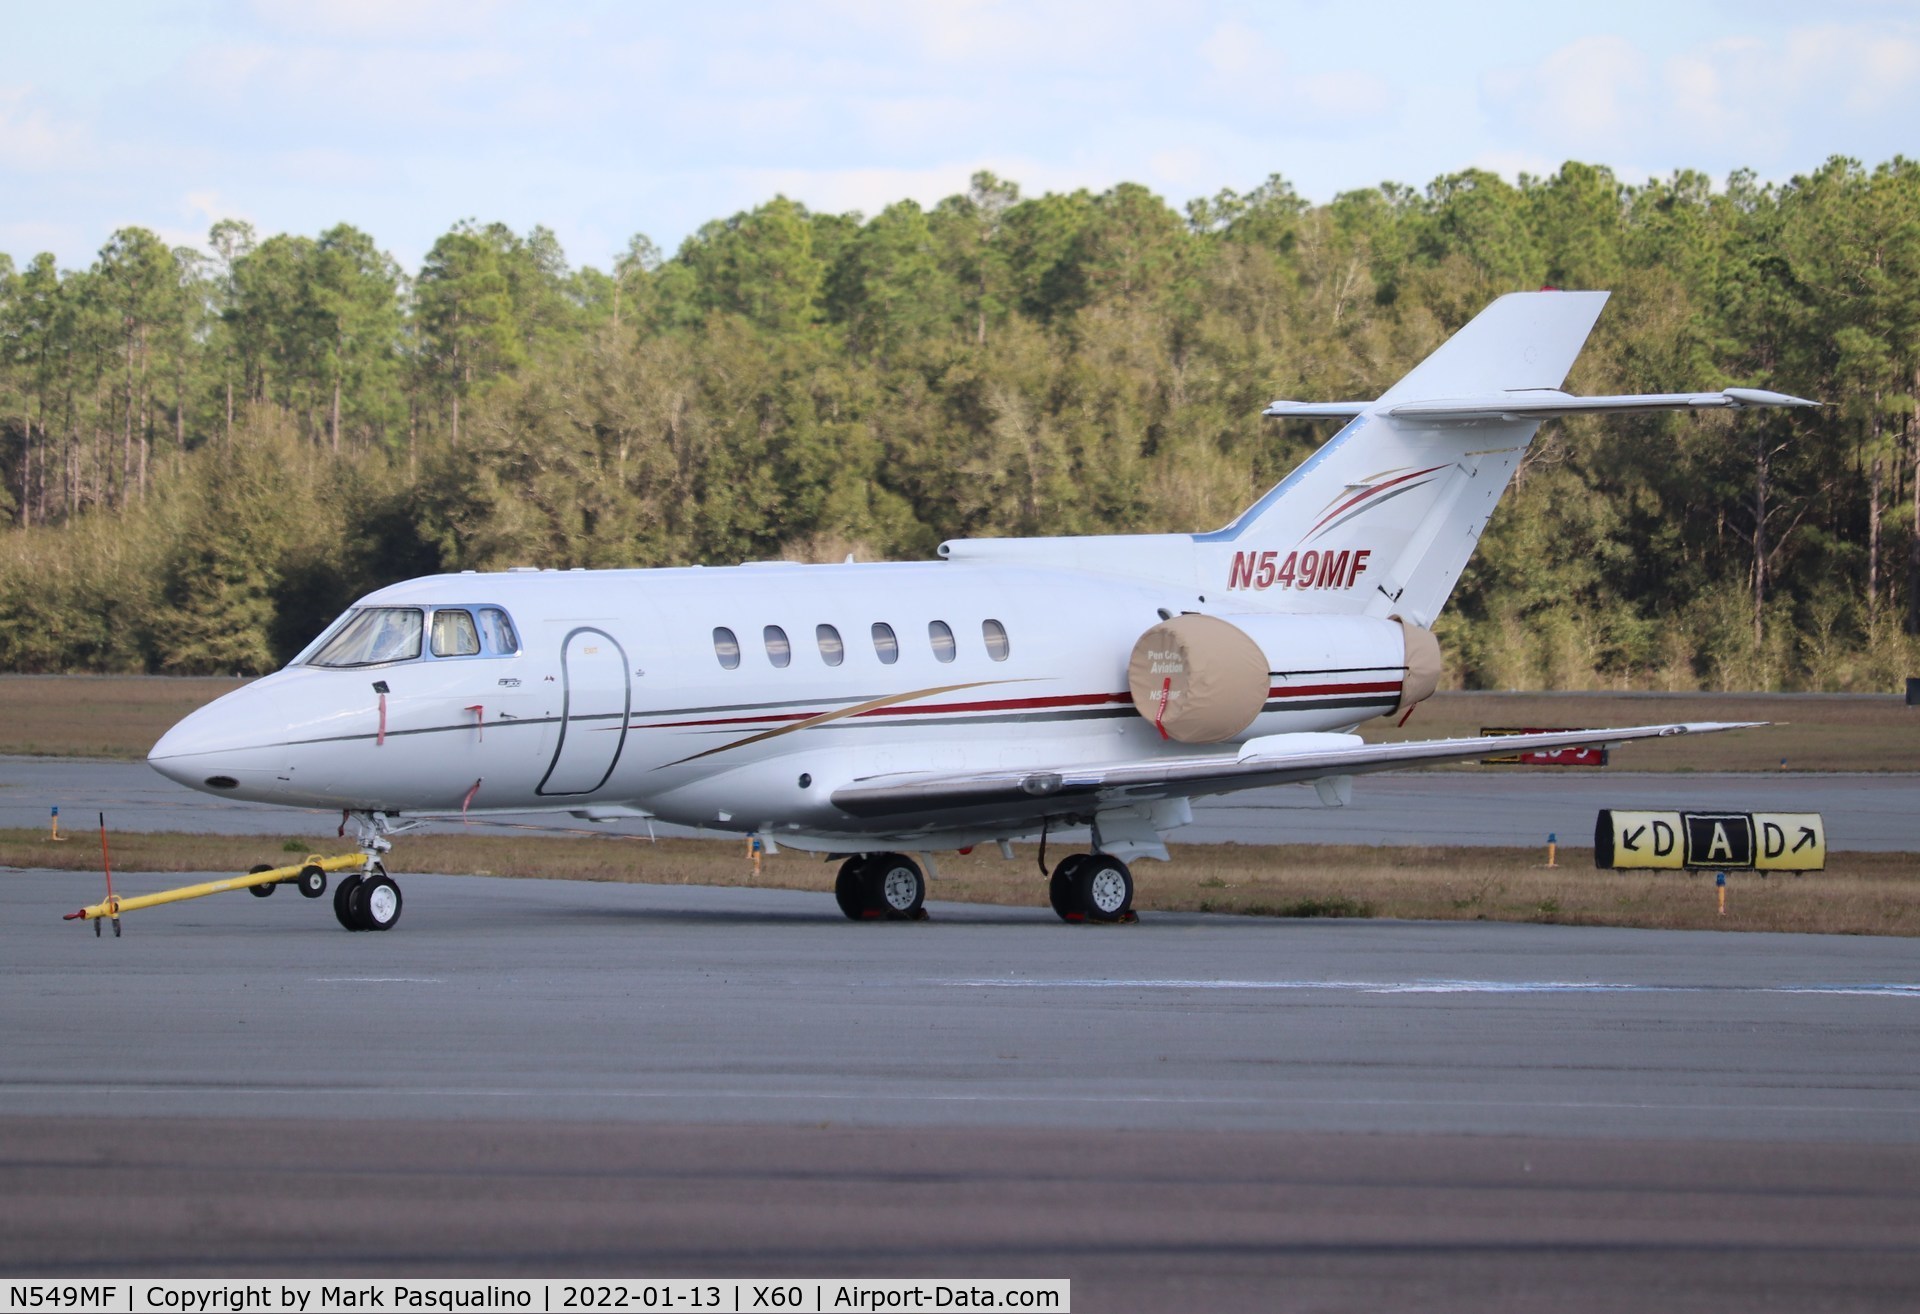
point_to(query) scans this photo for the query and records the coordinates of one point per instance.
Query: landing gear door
(597, 694)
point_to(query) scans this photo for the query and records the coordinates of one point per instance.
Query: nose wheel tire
(342, 898)
(375, 903)
(260, 891)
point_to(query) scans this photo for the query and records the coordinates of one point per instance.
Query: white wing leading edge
(1028, 793)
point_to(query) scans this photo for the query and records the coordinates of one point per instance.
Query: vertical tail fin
(1382, 519)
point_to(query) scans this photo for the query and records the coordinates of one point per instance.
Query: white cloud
(1590, 96)
(379, 20)
(1739, 98)
(29, 236)
(34, 140)
(321, 83)
(989, 32)
(1243, 68)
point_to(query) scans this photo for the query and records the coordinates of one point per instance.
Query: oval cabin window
(779, 651)
(885, 645)
(726, 647)
(996, 636)
(832, 651)
(940, 635)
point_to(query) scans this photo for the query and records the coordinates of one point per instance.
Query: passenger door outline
(572, 727)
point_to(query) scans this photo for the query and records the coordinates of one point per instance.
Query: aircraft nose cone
(217, 749)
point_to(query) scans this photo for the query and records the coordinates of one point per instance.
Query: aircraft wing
(1030, 793)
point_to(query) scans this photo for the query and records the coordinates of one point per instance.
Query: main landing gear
(872, 886)
(1092, 887)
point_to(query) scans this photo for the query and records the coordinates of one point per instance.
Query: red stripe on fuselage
(1323, 690)
(1026, 704)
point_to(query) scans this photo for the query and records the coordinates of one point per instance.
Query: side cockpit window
(496, 629)
(372, 636)
(454, 634)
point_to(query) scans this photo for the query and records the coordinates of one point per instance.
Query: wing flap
(1054, 791)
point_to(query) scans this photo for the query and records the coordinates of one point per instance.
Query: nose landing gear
(367, 900)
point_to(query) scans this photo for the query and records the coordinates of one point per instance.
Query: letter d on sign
(1636, 841)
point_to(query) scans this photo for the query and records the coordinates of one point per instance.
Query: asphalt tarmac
(1480, 806)
(1193, 1112)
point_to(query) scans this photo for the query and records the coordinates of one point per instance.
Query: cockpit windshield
(374, 635)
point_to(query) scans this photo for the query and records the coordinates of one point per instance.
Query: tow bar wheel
(312, 881)
(261, 891)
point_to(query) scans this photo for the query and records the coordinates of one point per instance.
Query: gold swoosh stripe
(871, 704)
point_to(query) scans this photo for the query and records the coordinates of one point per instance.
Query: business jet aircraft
(1014, 688)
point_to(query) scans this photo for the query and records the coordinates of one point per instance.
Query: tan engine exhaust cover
(1197, 678)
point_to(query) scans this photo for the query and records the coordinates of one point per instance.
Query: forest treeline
(204, 457)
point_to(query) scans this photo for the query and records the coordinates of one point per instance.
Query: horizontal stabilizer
(1536, 404)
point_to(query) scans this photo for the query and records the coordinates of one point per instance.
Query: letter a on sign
(1718, 839)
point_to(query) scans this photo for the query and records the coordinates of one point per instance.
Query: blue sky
(604, 119)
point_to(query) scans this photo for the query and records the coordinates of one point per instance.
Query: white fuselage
(618, 699)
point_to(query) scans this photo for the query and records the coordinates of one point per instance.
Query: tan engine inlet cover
(1198, 678)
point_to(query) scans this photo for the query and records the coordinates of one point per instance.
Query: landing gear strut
(367, 900)
(872, 886)
(1091, 887)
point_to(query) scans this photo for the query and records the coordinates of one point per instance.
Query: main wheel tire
(376, 904)
(850, 888)
(342, 898)
(260, 891)
(897, 886)
(1104, 888)
(1061, 891)
(312, 881)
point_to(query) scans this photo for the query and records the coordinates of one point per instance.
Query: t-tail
(1381, 520)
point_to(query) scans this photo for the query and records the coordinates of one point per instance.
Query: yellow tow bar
(113, 906)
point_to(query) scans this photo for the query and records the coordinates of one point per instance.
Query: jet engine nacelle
(1202, 679)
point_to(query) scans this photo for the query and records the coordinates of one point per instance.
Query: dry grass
(1812, 732)
(1862, 894)
(121, 716)
(97, 715)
